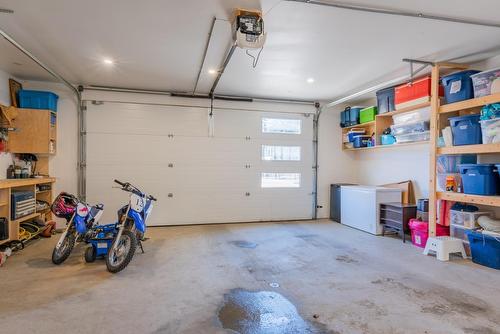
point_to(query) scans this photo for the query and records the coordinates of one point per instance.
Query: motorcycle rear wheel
(120, 256)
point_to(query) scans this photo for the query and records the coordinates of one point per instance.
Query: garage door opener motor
(248, 27)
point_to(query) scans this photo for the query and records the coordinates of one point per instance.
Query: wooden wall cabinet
(36, 132)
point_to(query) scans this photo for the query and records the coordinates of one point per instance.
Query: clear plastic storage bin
(403, 129)
(490, 130)
(466, 219)
(423, 114)
(413, 137)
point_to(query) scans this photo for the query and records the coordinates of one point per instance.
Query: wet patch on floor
(346, 259)
(480, 330)
(243, 244)
(40, 262)
(264, 312)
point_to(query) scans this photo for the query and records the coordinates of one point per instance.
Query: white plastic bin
(419, 115)
(490, 131)
(466, 219)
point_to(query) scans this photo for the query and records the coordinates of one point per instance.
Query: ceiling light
(310, 80)
(108, 61)
(212, 71)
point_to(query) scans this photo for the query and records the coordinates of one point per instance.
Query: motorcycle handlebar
(120, 183)
(128, 187)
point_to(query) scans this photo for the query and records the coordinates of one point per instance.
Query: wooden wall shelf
(378, 126)
(473, 199)
(470, 149)
(385, 147)
(469, 104)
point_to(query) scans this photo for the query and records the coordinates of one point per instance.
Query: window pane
(281, 125)
(280, 180)
(283, 153)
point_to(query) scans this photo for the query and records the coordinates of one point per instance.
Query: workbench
(9, 185)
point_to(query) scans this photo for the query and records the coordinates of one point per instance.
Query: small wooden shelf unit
(382, 122)
(439, 119)
(6, 188)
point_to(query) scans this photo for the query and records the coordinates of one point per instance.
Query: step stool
(444, 246)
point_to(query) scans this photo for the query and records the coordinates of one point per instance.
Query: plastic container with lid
(466, 130)
(490, 131)
(466, 219)
(362, 141)
(486, 83)
(413, 137)
(385, 100)
(479, 179)
(423, 114)
(415, 127)
(420, 232)
(458, 86)
(485, 249)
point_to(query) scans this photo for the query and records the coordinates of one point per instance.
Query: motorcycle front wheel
(59, 255)
(121, 252)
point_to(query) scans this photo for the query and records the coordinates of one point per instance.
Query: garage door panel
(197, 179)
(126, 118)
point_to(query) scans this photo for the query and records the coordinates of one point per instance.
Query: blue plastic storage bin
(466, 130)
(485, 249)
(387, 139)
(33, 99)
(479, 179)
(385, 100)
(458, 86)
(354, 115)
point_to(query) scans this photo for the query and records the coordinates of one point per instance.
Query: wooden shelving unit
(439, 119)
(377, 127)
(6, 188)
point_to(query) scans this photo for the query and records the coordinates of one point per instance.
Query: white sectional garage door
(228, 170)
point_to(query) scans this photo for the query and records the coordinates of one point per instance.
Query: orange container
(413, 93)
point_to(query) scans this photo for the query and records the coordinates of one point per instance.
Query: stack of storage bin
(462, 222)
(412, 126)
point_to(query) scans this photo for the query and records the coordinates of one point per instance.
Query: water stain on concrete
(346, 259)
(264, 312)
(243, 244)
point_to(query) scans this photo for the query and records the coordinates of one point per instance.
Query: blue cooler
(362, 141)
(458, 86)
(485, 249)
(479, 179)
(466, 130)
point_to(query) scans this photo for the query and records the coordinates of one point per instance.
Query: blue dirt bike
(130, 228)
(80, 219)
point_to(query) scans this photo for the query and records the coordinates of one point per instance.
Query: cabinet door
(32, 134)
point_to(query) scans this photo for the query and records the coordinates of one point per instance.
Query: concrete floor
(344, 280)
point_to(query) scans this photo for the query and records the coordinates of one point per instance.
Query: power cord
(255, 59)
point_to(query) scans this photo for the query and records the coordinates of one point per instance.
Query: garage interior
(273, 166)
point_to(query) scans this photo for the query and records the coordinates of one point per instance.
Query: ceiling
(159, 44)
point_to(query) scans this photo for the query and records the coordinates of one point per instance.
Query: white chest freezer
(361, 206)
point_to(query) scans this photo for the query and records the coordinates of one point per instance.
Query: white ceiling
(159, 44)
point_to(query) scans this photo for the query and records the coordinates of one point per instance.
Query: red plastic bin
(413, 93)
(420, 232)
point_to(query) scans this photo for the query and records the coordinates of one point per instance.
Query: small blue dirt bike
(130, 228)
(80, 220)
